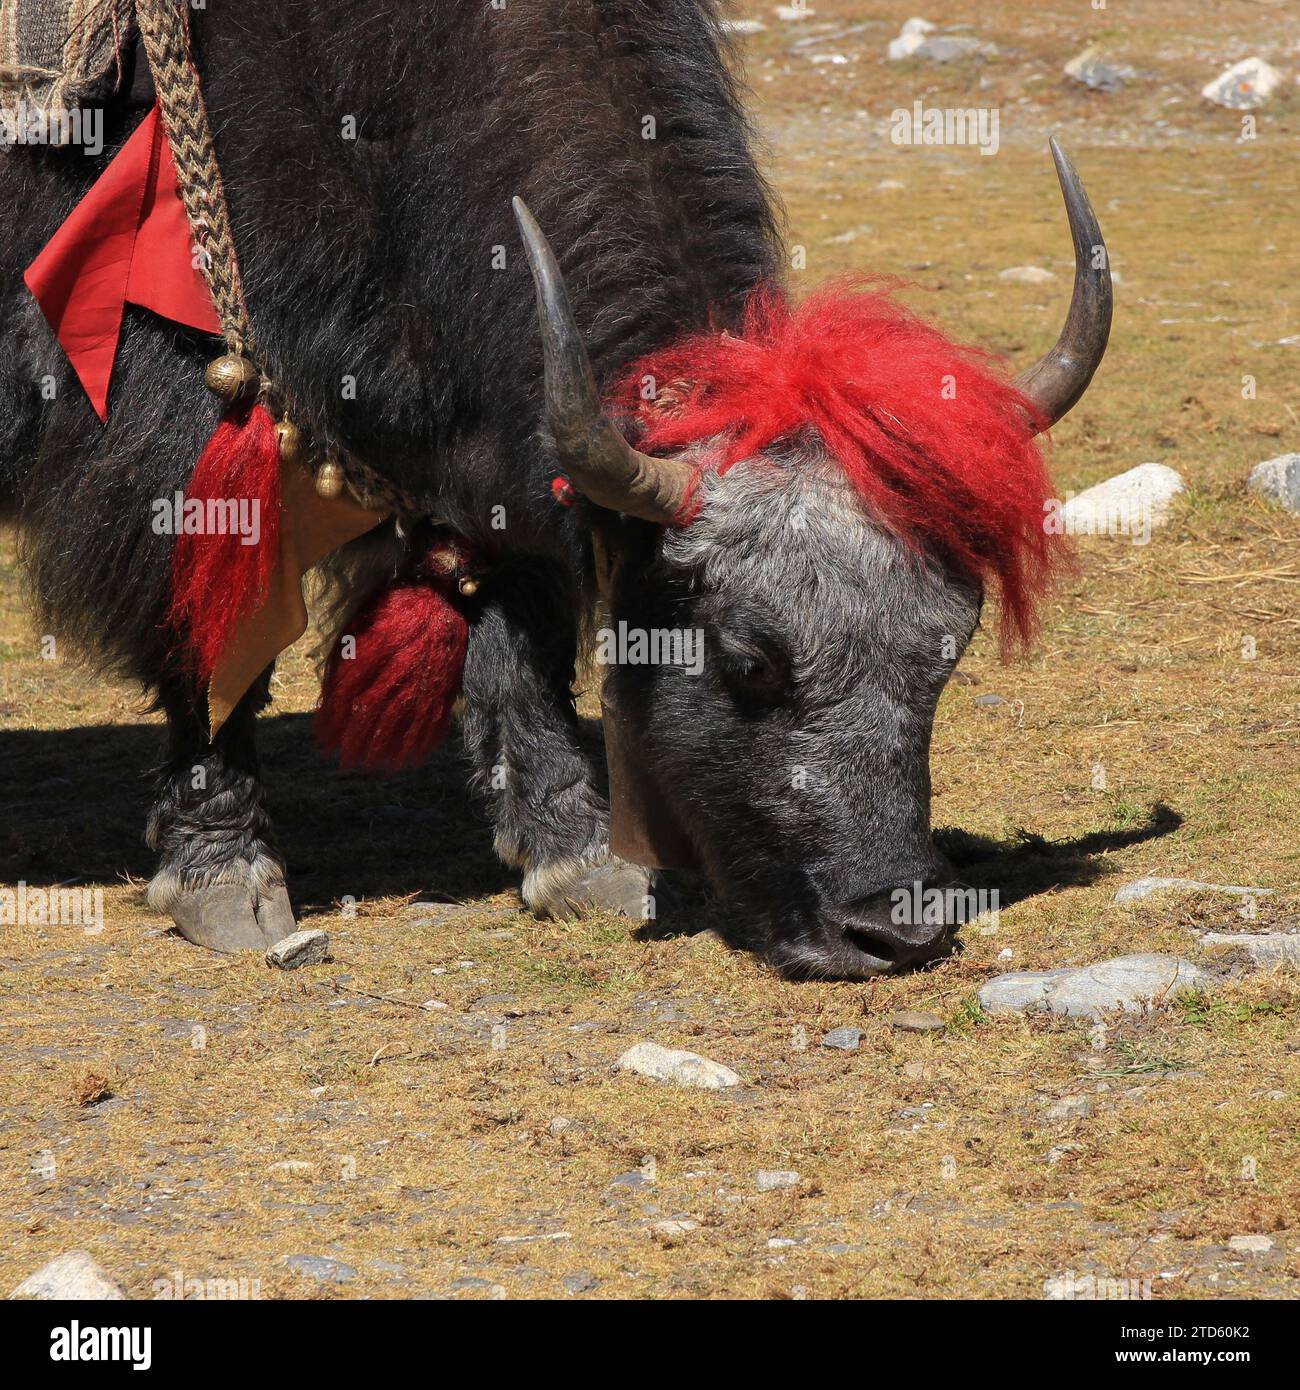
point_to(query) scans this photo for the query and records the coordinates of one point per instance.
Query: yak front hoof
(227, 917)
(577, 890)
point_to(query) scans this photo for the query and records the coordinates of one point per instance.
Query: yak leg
(522, 733)
(220, 877)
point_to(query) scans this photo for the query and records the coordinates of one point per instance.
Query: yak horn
(1056, 382)
(597, 460)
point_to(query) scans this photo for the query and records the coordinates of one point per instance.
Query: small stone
(581, 1282)
(1279, 480)
(301, 948)
(845, 1039)
(1243, 86)
(780, 1243)
(1141, 888)
(1128, 983)
(1132, 504)
(948, 48)
(918, 1071)
(72, 1276)
(1089, 69)
(1250, 1245)
(792, 14)
(683, 1068)
(907, 1021)
(559, 1124)
(1026, 275)
(990, 700)
(774, 1179)
(322, 1268)
(1068, 1108)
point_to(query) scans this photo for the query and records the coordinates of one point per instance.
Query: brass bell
(330, 480)
(232, 378)
(468, 586)
(290, 437)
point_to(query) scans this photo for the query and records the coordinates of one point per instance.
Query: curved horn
(1056, 382)
(599, 462)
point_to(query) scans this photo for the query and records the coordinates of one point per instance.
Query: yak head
(796, 552)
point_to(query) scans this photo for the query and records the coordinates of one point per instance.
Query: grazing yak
(804, 499)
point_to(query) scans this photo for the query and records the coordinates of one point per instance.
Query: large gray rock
(71, 1276)
(1143, 888)
(1279, 480)
(682, 1068)
(1130, 983)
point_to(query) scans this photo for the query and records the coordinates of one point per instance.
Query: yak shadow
(76, 802)
(1017, 868)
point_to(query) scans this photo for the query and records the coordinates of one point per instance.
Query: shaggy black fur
(391, 260)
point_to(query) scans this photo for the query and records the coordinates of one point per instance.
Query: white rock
(1130, 983)
(947, 48)
(1250, 1245)
(792, 14)
(1133, 504)
(301, 948)
(1244, 85)
(1143, 888)
(833, 58)
(910, 39)
(71, 1276)
(1026, 275)
(774, 1179)
(1279, 480)
(683, 1068)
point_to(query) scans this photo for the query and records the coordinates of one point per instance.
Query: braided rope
(164, 26)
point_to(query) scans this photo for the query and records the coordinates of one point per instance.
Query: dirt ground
(436, 1113)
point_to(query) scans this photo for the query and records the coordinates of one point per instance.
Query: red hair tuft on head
(933, 439)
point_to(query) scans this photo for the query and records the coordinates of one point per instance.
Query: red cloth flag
(127, 241)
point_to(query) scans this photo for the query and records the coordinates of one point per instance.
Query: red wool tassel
(389, 706)
(228, 539)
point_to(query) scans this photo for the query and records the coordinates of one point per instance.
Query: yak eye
(753, 667)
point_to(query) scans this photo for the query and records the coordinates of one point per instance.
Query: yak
(536, 241)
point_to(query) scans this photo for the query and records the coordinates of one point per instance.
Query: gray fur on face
(812, 799)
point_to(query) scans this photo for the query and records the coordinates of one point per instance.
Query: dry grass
(924, 1159)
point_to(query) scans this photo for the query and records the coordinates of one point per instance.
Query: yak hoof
(226, 917)
(615, 886)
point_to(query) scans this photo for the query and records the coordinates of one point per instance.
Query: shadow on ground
(78, 799)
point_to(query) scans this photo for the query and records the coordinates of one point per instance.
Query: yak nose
(902, 927)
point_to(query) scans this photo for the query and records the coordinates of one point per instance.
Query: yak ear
(1057, 381)
(597, 460)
